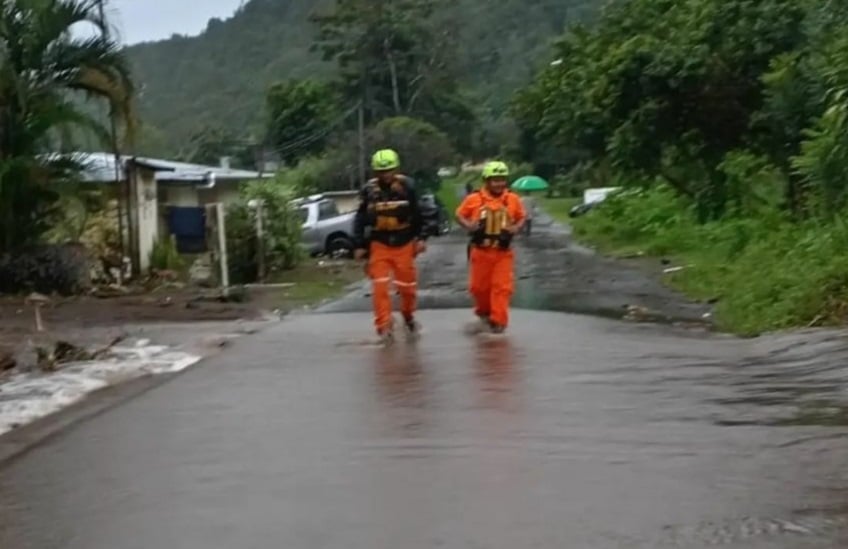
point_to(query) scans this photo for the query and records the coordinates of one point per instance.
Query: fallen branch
(65, 353)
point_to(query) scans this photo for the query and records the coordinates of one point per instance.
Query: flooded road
(552, 274)
(571, 432)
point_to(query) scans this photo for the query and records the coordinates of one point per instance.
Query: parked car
(436, 217)
(325, 230)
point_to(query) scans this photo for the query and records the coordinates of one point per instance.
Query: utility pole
(361, 144)
(223, 260)
(258, 207)
(363, 103)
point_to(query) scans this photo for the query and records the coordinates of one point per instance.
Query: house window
(303, 215)
(327, 210)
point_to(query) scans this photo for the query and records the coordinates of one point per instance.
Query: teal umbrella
(530, 183)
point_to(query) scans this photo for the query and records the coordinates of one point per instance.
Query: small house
(164, 197)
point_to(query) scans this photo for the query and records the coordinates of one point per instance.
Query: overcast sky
(143, 20)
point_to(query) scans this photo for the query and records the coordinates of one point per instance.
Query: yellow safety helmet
(495, 169)
(384, 160)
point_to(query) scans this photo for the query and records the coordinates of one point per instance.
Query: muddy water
(571, 432)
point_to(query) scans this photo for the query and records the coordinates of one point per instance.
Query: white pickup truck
(325, 230)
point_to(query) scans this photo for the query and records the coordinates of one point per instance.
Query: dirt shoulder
(91, 321)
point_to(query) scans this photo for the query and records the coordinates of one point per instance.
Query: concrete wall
(181, 197)
(346, 201)
(190, 196)
(225, 191)
(144, 214)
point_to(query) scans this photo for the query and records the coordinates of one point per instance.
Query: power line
(303, 142)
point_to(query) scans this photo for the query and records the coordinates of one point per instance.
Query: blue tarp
(188, 225)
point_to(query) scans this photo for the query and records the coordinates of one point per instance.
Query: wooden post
(222, 248)
(260, 241)
(361, 132)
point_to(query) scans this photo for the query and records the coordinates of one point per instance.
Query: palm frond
(43, 66)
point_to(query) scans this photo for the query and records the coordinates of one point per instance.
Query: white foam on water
(29, 397)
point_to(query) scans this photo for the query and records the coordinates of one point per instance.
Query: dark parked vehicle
(435, 215)
(581, 209)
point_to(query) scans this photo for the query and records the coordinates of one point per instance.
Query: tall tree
(301, 115)
(210, 144)
(663, 87)
(397, 56)
(44, 66)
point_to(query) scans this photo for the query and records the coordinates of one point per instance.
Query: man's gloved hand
(505, 239)
(479, 233)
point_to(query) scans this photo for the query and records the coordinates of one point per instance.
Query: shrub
(282, 228)
(766, 271)
(164, 255)
(63, 269)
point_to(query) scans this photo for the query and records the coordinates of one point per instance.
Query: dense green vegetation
(280, 248)
(45, 75)
(467, 57)
(729, 117)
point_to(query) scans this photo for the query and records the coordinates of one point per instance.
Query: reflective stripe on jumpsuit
(385, 260)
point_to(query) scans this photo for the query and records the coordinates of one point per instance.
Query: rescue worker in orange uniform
(389, 229)
(493, 216)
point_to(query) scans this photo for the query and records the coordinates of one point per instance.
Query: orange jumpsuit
(383, 262)
(388, 223)
(492, 267)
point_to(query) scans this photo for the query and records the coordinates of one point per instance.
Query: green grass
(764, 272)
(316, 281)
(452, 190)
(558, 208)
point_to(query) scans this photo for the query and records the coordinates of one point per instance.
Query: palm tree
(45, 71)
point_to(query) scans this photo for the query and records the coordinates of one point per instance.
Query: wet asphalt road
(571, 432)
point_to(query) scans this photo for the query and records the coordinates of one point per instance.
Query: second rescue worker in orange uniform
(388, 226)
(493, 216)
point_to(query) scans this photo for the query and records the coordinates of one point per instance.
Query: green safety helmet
(495, 169)
(384, 160)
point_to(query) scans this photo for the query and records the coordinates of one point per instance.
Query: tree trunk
(393, 72)
(677, 184)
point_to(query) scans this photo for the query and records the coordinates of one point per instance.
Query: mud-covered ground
(170, 314)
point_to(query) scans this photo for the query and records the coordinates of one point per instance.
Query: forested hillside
(220, 78)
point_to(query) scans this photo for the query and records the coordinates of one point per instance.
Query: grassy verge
(315, 281)
(558, 208)
(764, 273)
(452, 190)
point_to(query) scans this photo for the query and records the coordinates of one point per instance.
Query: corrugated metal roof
(100, 168)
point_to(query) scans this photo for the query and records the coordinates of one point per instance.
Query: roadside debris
(49, 360)
(637, 313)
(7, 359)
(672, 270)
